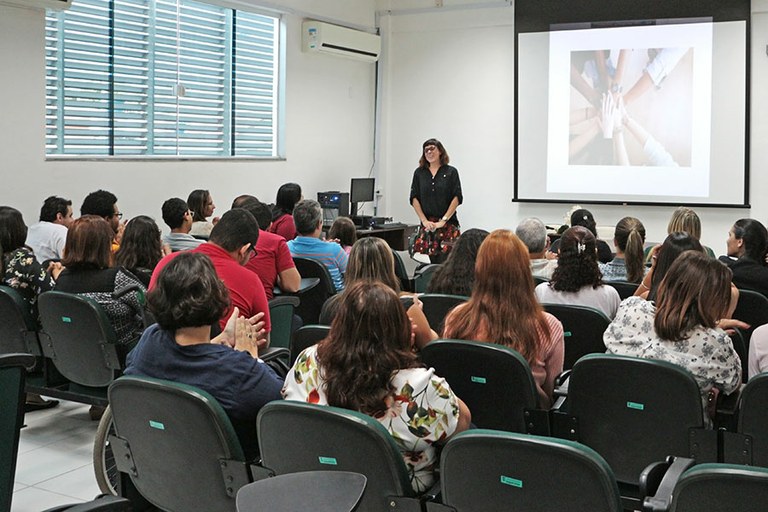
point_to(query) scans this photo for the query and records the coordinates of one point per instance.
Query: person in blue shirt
(308, 218)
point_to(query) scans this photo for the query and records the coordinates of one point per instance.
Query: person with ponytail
(577, 279)
(628, 265)
(747, 246)
(503, 309)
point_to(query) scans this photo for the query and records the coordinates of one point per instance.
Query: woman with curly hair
(367, 364)
(577, 279)
(503, 309)
(457, 274)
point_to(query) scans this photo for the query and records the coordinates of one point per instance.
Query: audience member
(758, 351)
(272, 260)
(582, 217)
(371, 259)
(282, 216)
(747, 245)
(187, 299)
(577, 279)
(681, 327)
(683, 220)
(178, 217)
(20, 270)
(457, 275)
(662, 258)
(503, 309)
(533, 234)
(367, 364)
(628, 265)
(201, 205)
(344, 232)
(88, 272)
(232, 242)
(47, 237)
(308, 218)
(141, 248)
(104, 204)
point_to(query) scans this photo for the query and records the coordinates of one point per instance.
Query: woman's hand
(246, 337)
(429, 225)
(55, 269)
(166, 250)
(228, 335)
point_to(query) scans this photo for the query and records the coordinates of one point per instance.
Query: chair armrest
(662, 500)
(271, 353)
(727, 410)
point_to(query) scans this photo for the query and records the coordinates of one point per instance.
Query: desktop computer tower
(334, 204)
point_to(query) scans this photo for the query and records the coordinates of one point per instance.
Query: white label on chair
(514, 482)
(157, 425)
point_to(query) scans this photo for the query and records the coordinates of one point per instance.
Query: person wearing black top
(748, 244)
(435, 196)
(582, 217)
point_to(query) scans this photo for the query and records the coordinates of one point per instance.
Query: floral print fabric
(423, 411)
(24, 274)
(707, 353)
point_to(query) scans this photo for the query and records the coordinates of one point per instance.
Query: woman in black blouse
(435, 196)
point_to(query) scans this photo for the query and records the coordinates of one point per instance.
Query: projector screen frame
(544, 16)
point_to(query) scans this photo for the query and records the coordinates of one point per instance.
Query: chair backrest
(750, 444)
(583, 328)
(721, 488)
(180, 442)
(537, 280)
(306, 336)
(624, 288)
(330, 491)
(635, 411)
(436, 307)
(494, 471)
(423, 276)
(406, 283)
(18, 330)
(296, 436)
(494, 381)
(78, 337)
(312, 300)
(12, 375)
(281, 316)
(751, 308)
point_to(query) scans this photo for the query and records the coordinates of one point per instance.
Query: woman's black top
(436, 193)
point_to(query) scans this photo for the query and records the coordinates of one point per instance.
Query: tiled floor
(55, 464)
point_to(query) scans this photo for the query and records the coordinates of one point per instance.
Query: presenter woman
(435, 195)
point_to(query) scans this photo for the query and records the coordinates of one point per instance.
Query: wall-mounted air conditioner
(344, 42)
(56, 5)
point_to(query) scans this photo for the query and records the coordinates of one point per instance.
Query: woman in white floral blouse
(367, 364)
(681, 327)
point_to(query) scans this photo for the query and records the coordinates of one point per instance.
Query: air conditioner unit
(56, 5)
(345, 42)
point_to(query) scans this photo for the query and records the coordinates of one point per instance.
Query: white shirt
(604, 298)
(47, 239)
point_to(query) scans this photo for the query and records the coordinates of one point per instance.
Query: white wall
(329, 128)
(449, 73)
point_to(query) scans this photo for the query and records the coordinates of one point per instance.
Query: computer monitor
(361, 190)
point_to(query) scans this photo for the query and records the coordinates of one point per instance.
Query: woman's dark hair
(444, 158)
(287, 196)
(188, 293)
(630, 237)
(584, 218)
(344, 230)
(696, 291)
(13, 233)
(577, 261)
(457, 274)
(196, 201)
(369, 340)
(755, 238)
(89, 244)
(141, 246)
(674, 245)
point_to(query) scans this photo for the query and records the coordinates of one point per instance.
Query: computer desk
(396, 236)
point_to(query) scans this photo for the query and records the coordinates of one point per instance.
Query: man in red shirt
(272, 262)
(229, 247)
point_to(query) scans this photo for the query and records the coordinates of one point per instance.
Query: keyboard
(390, 225)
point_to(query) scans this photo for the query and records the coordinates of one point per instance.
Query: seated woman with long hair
(662, 258)
(503, 309)
(457, 274)
(577, 279)
(367, 364)
(371, 259)
(201, 205)
(282, 214)
(629, 263)
(747, 246)
(187, 300)
(88, 272)
(681, 327)
(141, 248)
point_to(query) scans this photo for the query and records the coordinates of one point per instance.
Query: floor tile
(32, 499)
(80, 483)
